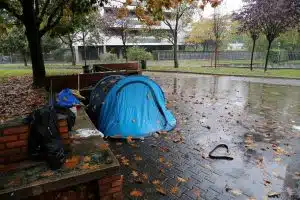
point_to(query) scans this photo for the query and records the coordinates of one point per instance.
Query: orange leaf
(161, 159)
(129, 139)
(72, 162)
(145, 176)
(174, 190)
(161, 191)
(103, 146)
(136, 193)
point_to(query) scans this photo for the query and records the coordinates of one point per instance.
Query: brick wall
(14, 142)
(108, 188)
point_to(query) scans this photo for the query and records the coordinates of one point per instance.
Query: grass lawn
(284, 73)
(21, 72)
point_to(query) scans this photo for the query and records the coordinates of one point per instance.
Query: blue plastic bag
(66, 99)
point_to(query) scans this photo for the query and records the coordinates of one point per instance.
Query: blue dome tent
(130, 106)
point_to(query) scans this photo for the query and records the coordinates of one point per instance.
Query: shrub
(137, 54)
(108, 57)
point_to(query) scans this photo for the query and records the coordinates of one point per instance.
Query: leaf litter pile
(19, 98)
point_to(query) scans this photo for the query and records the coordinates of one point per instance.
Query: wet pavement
(259, 119)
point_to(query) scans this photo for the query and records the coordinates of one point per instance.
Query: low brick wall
(14, 142)
(108, 188)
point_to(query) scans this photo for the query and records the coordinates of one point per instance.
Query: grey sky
(227, 7)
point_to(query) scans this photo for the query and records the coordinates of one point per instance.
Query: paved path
(258, 121)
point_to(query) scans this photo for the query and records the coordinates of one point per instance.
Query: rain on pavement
(259, 120)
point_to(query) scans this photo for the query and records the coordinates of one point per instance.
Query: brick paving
(208, 113)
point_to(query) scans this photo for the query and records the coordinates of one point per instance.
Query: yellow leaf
(277, 159)
(138, 158)
(136, 193)
(86, 159)
(161, 190)
(174, 190)
(135, 173)
(181, 180)
(129, 139)
(124, 161)
(156, 182)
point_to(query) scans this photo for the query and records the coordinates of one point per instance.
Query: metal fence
(223, 55)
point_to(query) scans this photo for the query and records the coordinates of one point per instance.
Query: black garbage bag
(44, 139)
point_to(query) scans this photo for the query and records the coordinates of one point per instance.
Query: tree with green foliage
(13, 41)
(38, 18)
(201, 34)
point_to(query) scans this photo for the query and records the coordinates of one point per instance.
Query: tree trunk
(252, 55)
(84, 47)
(34, 43)
(268, 53)
(176, 65)
(72, 51)
(25, 59)
(216, 54)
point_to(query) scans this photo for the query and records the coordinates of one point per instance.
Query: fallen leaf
(135, 173)
(273, 194)
(156, 182)
(181, 180)
(236, 192)
(145, 176)
(251, 198)
(164, 149)
(86, 159)
(124, 161)
(85, 166)
(161, 191)
(129, 139)
(72, 162)
(138, 158)
(47, 173)
(196, 192)
(168, 164)
(136, 193)
(277, 159)
(161, 159)
(174, 190)
(103, 146)
(119, 143)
